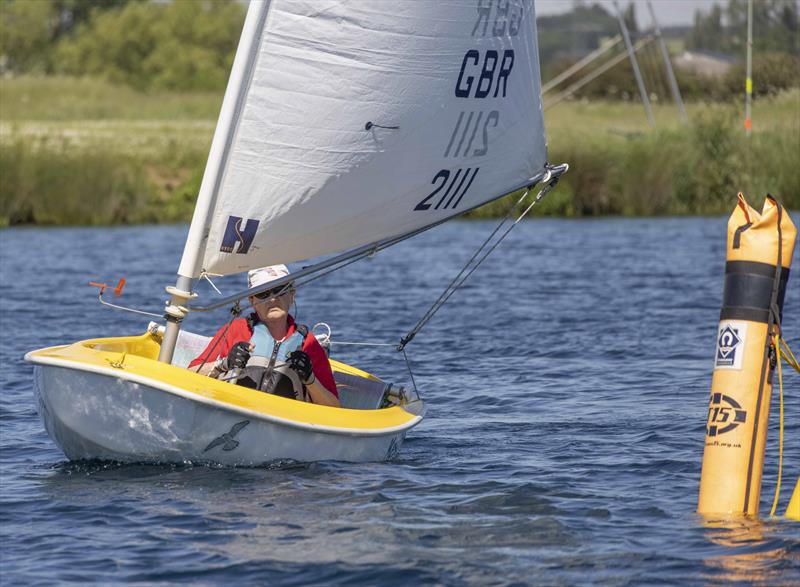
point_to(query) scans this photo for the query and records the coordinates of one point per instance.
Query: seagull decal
(227, 440)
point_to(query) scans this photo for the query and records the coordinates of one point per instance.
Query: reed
(630, 171)
(61, 98)
(49, 182)
(110, 155)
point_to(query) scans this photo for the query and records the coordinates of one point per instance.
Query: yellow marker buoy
(793, 511)
(759, 254)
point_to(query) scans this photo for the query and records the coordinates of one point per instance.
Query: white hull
(110, 399)
(95, 416)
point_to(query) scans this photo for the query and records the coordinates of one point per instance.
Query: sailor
(268, 350)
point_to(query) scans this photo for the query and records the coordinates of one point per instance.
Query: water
(567, 388)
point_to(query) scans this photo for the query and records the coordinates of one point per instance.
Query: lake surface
(567, 386)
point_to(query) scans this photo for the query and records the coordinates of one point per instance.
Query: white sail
(295, 171)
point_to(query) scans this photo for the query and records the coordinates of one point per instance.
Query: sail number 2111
(452, 185)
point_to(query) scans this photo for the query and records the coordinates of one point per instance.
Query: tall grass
(67, 186)
(618, 167)
(92, 153)
(70, 98)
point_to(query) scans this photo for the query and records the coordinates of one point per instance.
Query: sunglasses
(274, 293)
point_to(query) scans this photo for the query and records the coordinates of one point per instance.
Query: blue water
(567, 388)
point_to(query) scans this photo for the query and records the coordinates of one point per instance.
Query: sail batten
(357, 124)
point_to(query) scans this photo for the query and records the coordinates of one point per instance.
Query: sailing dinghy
(346, 127)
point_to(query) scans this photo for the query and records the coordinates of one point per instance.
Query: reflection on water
(754, 551)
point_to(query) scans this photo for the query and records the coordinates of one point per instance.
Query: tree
(25, 34)
(31, 29)
(775, 27)
(177, 45)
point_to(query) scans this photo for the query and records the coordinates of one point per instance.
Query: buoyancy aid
(267, 370)
(275, 350)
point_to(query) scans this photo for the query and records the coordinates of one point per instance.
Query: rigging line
(459, 280)
(363, 343)
(442, 298)
(204, 275)
(410, 372)
(369, 253)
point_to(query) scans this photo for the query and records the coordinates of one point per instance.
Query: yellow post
(759, 254)
(793, 511)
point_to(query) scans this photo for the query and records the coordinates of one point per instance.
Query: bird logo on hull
(227, 440)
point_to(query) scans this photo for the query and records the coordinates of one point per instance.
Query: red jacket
(240, 331)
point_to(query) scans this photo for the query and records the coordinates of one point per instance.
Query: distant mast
(748, 84)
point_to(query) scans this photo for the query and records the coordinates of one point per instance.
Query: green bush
(184, 46)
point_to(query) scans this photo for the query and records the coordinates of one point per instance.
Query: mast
(673, 83)
(232, 104)
(635, 64)
(748, 84)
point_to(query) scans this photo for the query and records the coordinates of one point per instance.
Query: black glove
(237, 357)
(300, 363)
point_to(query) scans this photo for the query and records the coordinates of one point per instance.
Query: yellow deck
(136, 356)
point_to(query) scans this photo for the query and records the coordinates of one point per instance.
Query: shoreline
(140, 157)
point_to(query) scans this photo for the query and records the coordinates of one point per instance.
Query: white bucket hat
(256, 277)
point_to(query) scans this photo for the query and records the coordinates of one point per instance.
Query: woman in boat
(270, 337)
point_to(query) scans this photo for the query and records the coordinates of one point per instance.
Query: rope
(204, 275)
(124, 309)
(789, 357)
(776, 346)
(364, 343)
(405, 357)
(477, 258)
(410, 373)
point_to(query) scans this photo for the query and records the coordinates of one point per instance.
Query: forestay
(301, 163)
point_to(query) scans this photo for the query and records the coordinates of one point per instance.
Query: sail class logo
(235, 234)
(724, 414)
(730, 343)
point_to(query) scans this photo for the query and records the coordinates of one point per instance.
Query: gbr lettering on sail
(483, 74)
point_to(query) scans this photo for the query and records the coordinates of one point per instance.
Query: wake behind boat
(344, 129)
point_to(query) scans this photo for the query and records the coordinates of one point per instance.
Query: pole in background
(603, 48)
(638, 74)
(673, 83)
(748, 84)
(640, 44)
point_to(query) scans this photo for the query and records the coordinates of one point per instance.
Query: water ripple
(567, 385)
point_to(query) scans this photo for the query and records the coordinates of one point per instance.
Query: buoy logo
(724, 414)
(730, 345)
